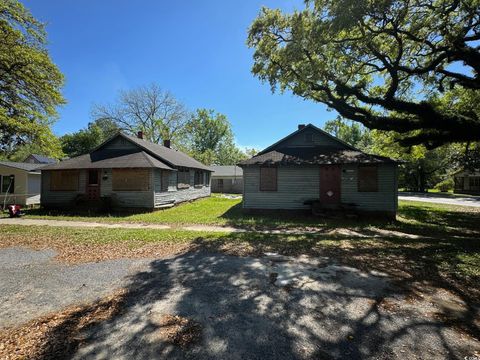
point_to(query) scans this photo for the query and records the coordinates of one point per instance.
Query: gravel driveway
(32, 284)
(248, 308)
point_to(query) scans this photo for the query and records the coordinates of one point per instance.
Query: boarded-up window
(64, 180)
(183, 178)
(198, 178)
(130, 179)
(367, 178)
(268, 179)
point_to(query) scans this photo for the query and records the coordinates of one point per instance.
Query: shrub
(445, 185)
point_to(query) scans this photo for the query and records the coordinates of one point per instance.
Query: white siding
(298, 184)
(385, 199)
(295, 186)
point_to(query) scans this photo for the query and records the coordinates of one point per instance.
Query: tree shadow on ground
(244, 316)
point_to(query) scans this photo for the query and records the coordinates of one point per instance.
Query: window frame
(361, 185)
(183, 185)
(261, 184)
(198, 178)
(57, 188)
(135, 171)
(206, 178)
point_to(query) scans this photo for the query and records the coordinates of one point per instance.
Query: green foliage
(352, 133)
(390, 65)
(49, 146)
(30, 82)
(445, 185)
(211, 139)
(422, 168)
(83, 141)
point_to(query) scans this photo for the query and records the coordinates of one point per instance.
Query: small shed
(227, 179)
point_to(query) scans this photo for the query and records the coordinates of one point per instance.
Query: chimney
(166, 143)
(301, 126)
(140, 135)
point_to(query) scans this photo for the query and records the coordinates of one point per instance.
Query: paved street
(441, 198)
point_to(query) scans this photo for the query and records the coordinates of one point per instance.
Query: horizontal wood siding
(119, 144)
(295, 186)
(60, 198)
(298, 184)
(385, 199)
(317, 140)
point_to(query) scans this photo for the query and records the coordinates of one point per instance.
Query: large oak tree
(30, 83)
(409, 66)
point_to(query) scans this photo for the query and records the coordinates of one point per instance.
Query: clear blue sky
(195, 49)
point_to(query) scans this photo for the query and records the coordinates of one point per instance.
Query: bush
(445, 185)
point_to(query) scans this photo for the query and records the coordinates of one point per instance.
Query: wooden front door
(330, 184)
(93, 184)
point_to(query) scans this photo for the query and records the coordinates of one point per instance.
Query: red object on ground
(14, 210)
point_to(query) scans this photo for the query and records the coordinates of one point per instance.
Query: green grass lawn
(431, 242)
(222, 211)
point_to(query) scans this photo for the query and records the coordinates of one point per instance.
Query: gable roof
(145, 155)
(42, 159)
(110, 159)
(23, 166)
(226, 170)
(170, 156)
(307, 127)
(277, 154)
(318, 155)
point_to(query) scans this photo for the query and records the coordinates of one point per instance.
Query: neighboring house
(39, 159)
(467, 182)
(19, 183)
(227, 179)
(311, 165)
(127, 172)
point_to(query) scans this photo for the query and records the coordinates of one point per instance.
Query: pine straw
(72, 252)
(179, 330)
(57, 336)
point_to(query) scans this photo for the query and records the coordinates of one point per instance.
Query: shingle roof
(226, 170)
(43, 159)
(22, 166)
(110, 159)
(341, 143)
(170, 156)
(145, 155)
(318, 155)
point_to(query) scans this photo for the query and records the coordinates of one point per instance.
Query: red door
(330, 180)
(93, 185)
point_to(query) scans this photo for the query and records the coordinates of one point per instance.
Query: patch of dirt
(57, 335)
(72, 252)
(179, 330)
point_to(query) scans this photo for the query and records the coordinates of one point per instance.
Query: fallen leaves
(74, 252)
(179, 330)
(57, 335)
